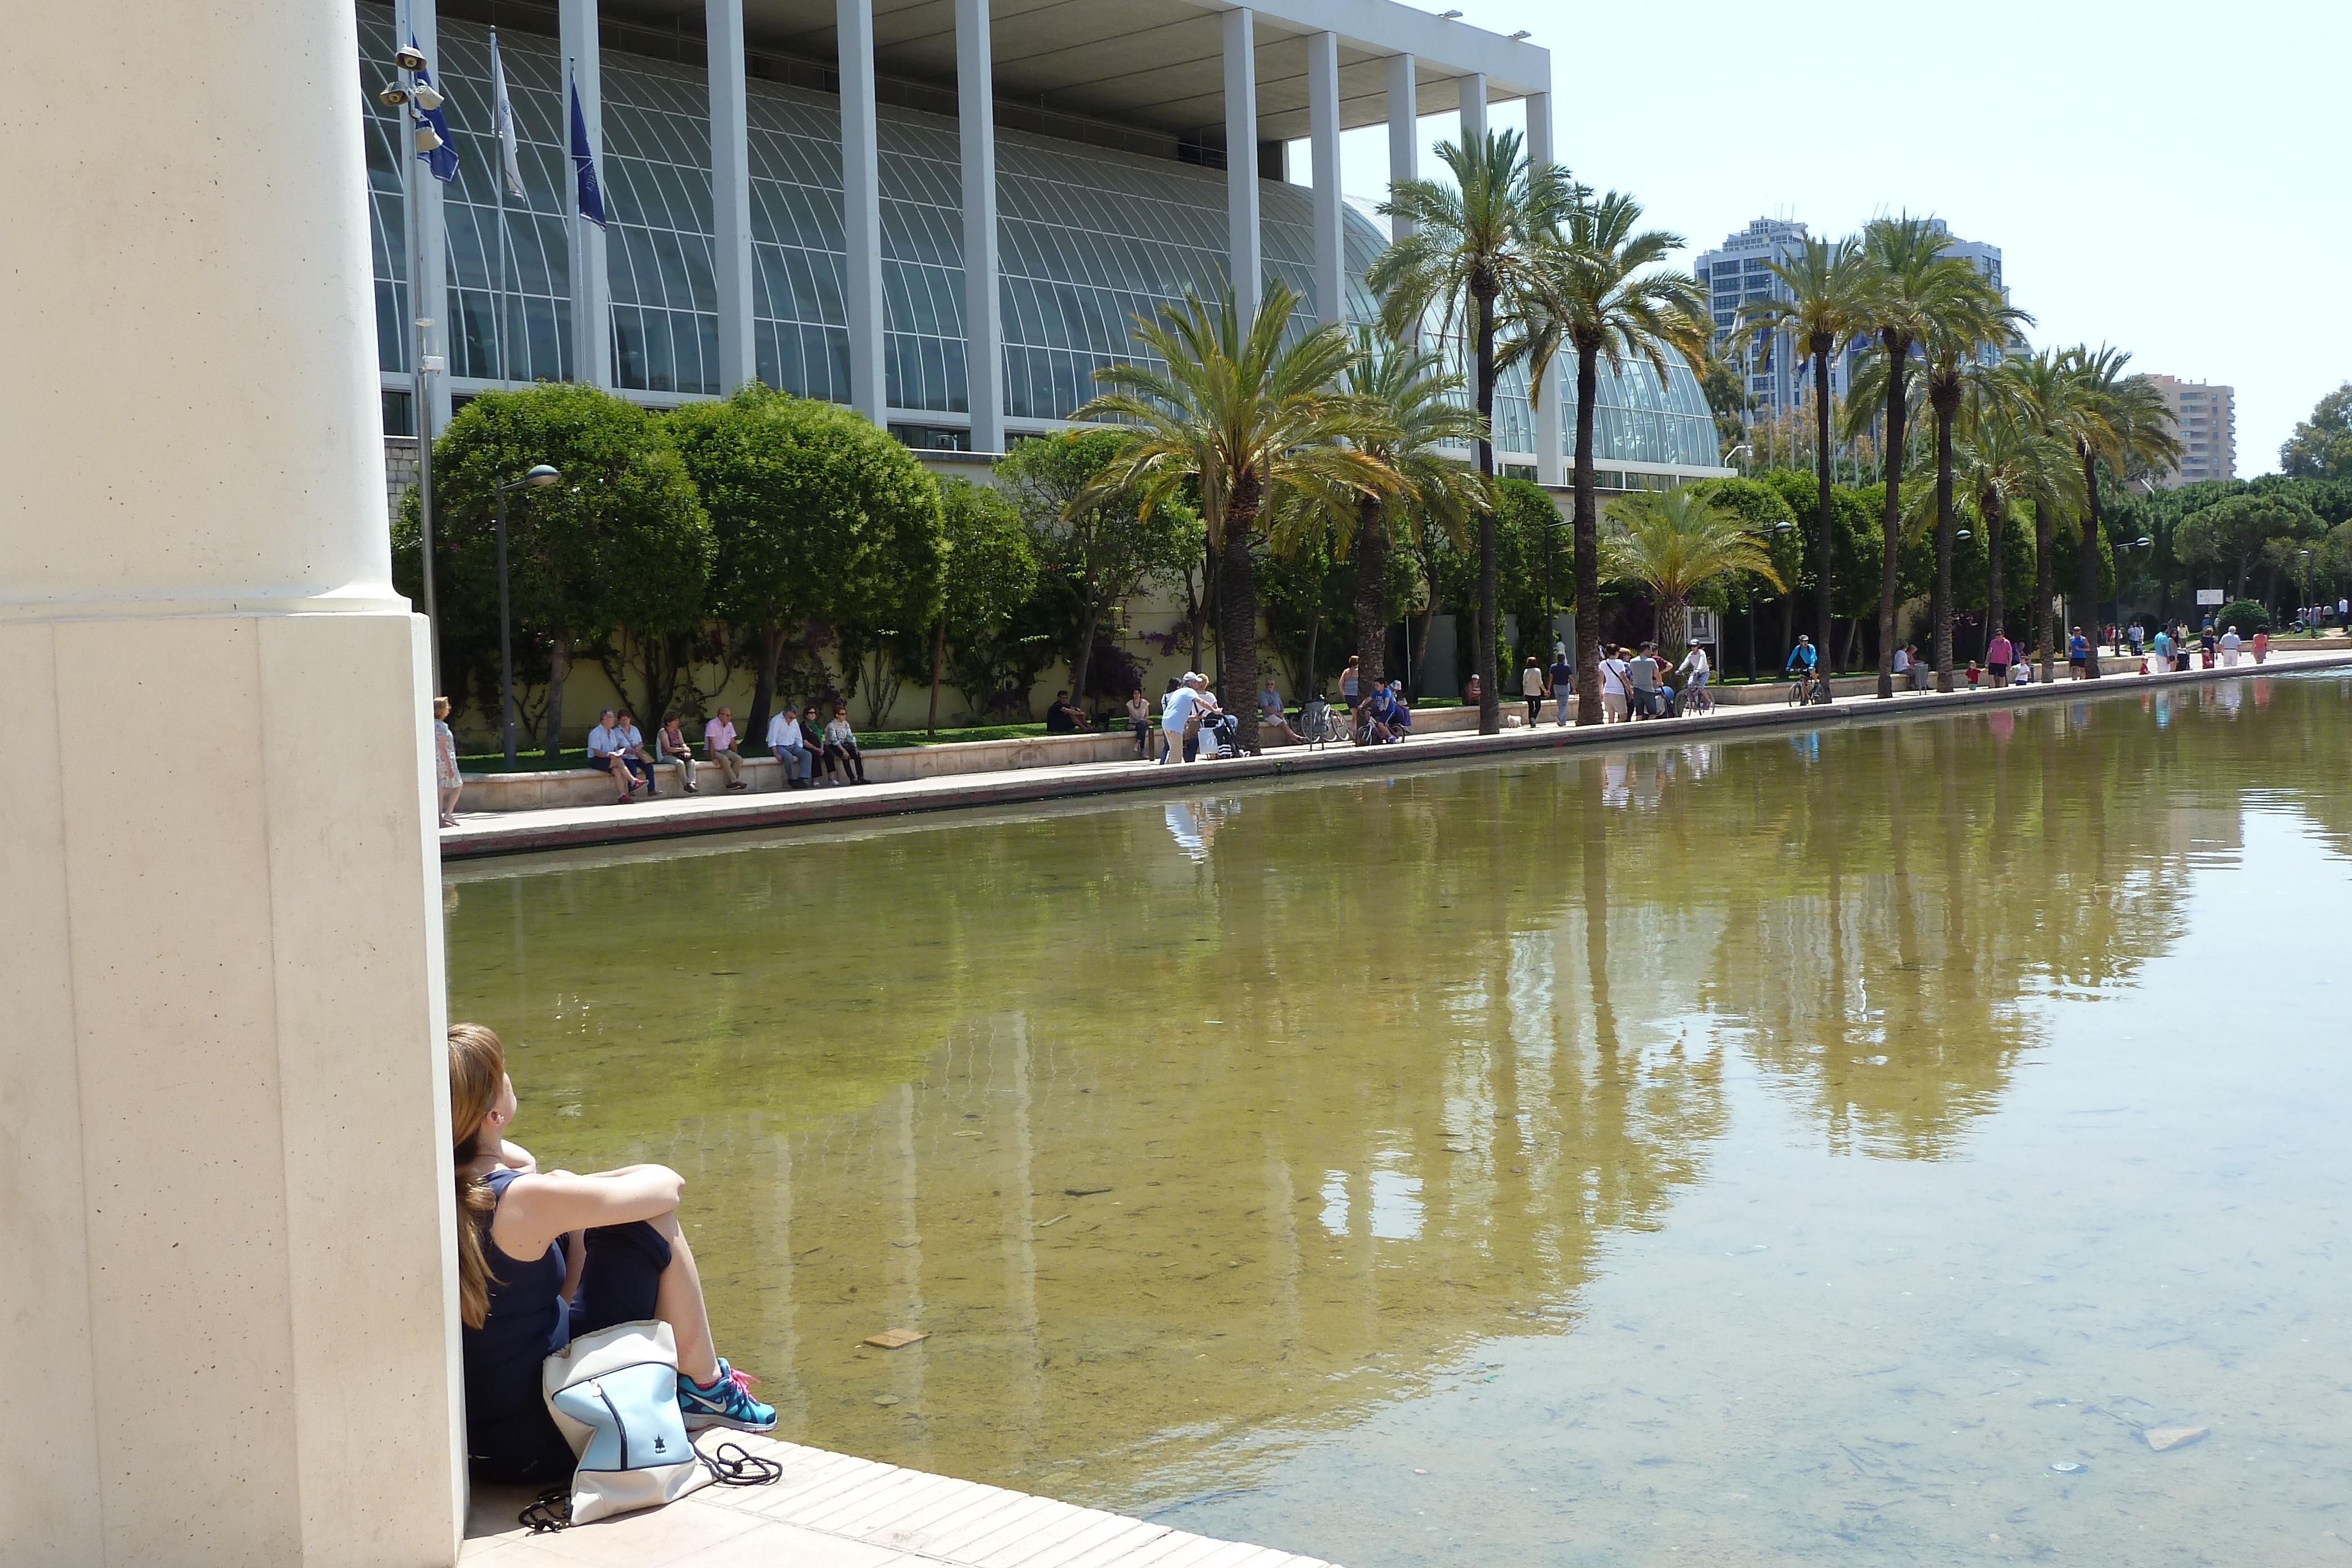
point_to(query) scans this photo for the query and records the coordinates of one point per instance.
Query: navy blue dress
(509, 1436)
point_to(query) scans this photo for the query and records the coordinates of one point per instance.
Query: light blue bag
(613, 1394)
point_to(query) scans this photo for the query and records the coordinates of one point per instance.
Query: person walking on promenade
(1531, 686)
(1999, 654)
(2078, 654)
(1614, 675)
(719, 740)
(446, 776)
(1563, 684)
(1352, 681)
(2230, 644)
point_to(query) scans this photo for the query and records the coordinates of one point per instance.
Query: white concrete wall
(226, 1324)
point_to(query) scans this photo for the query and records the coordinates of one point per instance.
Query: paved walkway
(829, 1511)
(509, 833)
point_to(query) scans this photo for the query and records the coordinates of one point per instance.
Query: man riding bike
(1804, 660)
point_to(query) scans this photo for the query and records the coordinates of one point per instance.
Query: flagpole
(420, 403)
(502, 126)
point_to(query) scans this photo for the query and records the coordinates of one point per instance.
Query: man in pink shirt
(1999, 654)
(719, 735)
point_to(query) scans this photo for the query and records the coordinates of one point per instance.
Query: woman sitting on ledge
(543, 1258)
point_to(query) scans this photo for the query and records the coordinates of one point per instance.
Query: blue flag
(591, 199)
(442, 159)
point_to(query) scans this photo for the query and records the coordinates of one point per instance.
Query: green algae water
(1836, 1146)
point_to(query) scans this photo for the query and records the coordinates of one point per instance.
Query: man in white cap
(1175, 716)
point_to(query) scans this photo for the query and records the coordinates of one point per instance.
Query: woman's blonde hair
(440, 708)
(477, 1071)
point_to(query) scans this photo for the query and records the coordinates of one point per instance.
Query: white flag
(502, 123)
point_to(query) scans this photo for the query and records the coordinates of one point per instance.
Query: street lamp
(538, 476)
(1743, 449)
(410, 101)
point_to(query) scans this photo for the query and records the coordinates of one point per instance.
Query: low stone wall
(586, 786)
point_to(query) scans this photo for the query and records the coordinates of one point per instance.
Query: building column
(430, 299)
(591, 291)
(731, 193)
(861, 208)
(1550, 434)
(984, 322)
(225, 1182)
(1404, 132)
(1473, 88)
(1330, 225)
(1241, 235)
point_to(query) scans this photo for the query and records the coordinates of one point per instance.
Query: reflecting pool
(1845, 1145)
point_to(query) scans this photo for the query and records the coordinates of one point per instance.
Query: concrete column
(1550, 464)
(592, 291)
(1242, 236)
(431, 297)
(730, 193)
(983, 323)
(1323, 126)
(1473, 106)
(229, 1288)
(1404, 132)
(861, 207)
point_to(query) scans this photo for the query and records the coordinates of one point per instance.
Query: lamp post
(2303, 589)
(410, 98)
(538, 476)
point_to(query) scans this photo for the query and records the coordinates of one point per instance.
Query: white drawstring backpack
(613, 1394)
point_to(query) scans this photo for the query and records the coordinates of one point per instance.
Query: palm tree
(1427, 417)
(2120, 418)
(1470, 260)
(1920, 297)
(1969, 316)
(2051, 404)
(2004, 461)
(1827, 306)
(1604, 295)
(1674, 542)
(1247, 419)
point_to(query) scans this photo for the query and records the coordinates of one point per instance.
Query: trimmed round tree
(622, 546)
(990, 571)
(819, 516)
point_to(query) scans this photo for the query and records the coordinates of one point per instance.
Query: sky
(2160, 176)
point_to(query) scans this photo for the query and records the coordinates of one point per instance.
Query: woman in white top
(445, 763)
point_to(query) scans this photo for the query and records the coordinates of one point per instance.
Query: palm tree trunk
(1943, 607)
(1490, 696)
(1371, 589)
(1587, 536)
(1826, 479)
(1237, 611)
(2086, 561)
(1899, 352)
(1996, 515)
(2045, 587)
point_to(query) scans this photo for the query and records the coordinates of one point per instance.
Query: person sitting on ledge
(606, 749)
(1272, 719)
(718, 738)
(1064, 716)
(841, 753)
(633, 756)
(670, 745)
(790, 747)
(543, 1258)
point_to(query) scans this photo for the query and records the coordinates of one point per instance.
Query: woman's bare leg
(678, 1302)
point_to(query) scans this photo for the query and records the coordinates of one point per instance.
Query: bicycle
(1808, 687)
(1321, 724)
(1693, 701)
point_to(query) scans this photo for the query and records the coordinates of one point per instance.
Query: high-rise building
(2205, 421)
(1738, 273)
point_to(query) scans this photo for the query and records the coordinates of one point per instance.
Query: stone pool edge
(527, 833)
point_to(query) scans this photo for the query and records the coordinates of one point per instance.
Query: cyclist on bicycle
(1694, 669)
(1804, 660)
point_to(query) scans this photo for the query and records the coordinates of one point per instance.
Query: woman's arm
(539, 1208)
